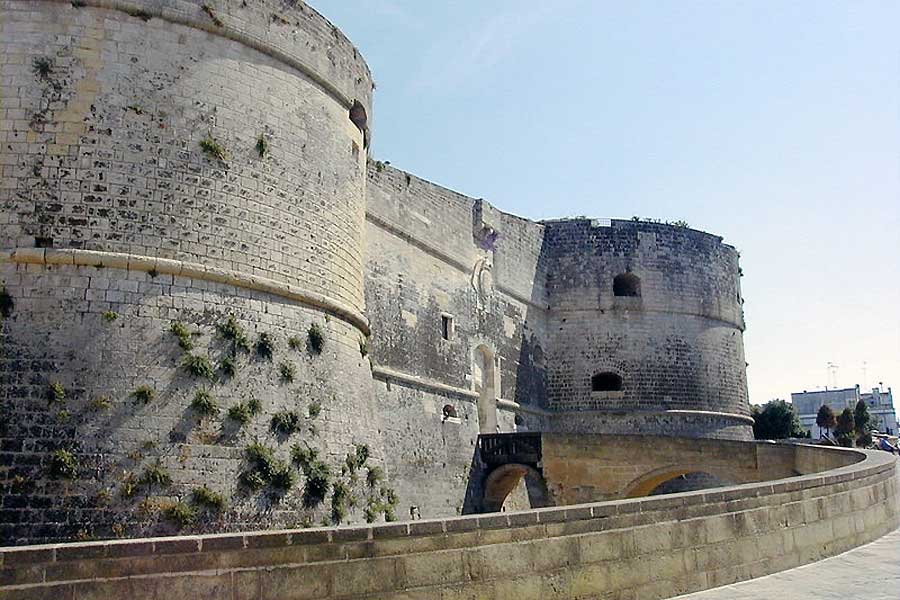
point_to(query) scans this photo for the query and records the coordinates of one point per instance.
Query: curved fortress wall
(645, 331)
(117, 223)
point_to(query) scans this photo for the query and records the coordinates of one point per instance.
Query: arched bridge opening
(513, 472)
(669, 480)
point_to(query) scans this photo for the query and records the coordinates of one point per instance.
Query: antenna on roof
(832, 374)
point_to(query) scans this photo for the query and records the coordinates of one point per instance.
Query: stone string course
(645, 548)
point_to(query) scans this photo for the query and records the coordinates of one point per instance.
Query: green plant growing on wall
(212, 15)
(129, 485)
(204, 404)
(243, 412)
(286, 422)
(198, 366)
(287, 372)
(110, 315)
(179, 513)
(252, 480)
(180, 331)
(155, 474)
(143, 394)
(266, 469)
(262, 145)
(99, 403)
(232, 331)
(316, 473)
(374, 476)
(56, 393)
(228, 366)
(213, 149)
(265, 345)
(363, 347)
(6, 303)
(295, 343)
(42, 66)
(340, 498)
(316, 338)
(63, 464)
(314, 410)
(356, 459)
(209, 499)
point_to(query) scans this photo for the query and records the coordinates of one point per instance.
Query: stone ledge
(133, 262)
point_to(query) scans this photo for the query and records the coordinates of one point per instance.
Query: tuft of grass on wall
(315, 338)
(198, 366)
(143, 394)
(286, 422)
(209, 499)
(213, 149)
(265, 345)
(287, 372)
(204, 404)
(178, 513)
(243, 412)
(42, 66)
(63, 465)
(110, 315)
(181, 331)
(56, 393)
(155, 474)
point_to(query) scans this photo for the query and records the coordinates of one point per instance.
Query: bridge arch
(503, 481)
(655, 481)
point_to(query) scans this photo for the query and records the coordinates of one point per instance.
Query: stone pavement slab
(870, 572)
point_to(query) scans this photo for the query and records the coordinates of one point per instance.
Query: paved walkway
(870, 572)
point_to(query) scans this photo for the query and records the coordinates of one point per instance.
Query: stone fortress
(219, 314)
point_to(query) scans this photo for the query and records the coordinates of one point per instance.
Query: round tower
(646, 331)
(182, 210)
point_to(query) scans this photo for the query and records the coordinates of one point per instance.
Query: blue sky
(773, 124)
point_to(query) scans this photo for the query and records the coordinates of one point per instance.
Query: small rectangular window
(446, 326)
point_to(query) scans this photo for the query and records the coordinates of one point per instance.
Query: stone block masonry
(189, 164)
(645, 548)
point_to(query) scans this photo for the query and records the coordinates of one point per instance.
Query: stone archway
(504, 483)
(485, 375)
(671, 480)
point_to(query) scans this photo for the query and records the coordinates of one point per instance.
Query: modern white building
(880, 403)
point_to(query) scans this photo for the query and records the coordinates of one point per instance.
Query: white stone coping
(168, 266)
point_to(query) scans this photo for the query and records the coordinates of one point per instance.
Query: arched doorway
(485, 376)
(515, 486)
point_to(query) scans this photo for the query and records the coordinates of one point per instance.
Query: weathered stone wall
(425, 261)
(104, 108)
(677, 345)
(643, 548)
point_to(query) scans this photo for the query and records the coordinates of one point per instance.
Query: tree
(843, 431)
(862, 423)
(776, 420)
(825, 419)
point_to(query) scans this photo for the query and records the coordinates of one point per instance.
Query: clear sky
(773, 124)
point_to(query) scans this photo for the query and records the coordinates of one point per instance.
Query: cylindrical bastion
(181, 226)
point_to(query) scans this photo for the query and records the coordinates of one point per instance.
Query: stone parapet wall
(643, 548)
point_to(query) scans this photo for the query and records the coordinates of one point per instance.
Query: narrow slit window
(446, 326)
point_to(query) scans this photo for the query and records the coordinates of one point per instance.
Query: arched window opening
(450, 411)
(606, 382)
(627, 284)
(359, 118)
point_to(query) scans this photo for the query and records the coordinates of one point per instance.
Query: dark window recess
(446, 326)
(606, 382)
(43, 242)
(450, 411)
(359, 118)
(627, 284)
